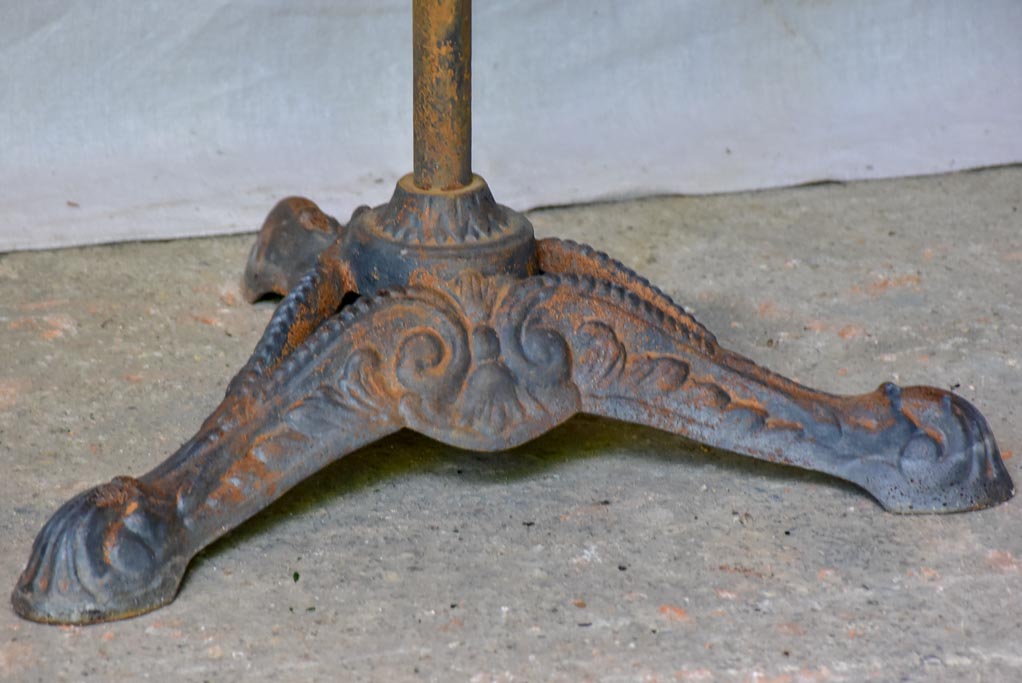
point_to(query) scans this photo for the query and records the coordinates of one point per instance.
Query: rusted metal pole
(442, 82)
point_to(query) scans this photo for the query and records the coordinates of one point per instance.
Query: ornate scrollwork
(512, 374)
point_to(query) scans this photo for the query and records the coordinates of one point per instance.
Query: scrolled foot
(918, 449)
(112, 552)
(292, 237)
(940, 453)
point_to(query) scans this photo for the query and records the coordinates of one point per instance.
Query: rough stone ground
(599, 552)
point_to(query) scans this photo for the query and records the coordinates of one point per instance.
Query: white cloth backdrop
(132, 119)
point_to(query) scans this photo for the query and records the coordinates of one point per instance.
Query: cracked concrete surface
(601, 551)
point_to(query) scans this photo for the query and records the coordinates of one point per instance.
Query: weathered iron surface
(293, 236)
(442, 99)
(475, 334)
(440, 312)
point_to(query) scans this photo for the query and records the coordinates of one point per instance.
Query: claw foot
(292, 237)
(114, 551)
(947, 461)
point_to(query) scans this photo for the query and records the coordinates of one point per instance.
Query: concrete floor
(599, 552)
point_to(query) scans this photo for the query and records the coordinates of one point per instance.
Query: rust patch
(49, 327)
(11, 389)
(750, 404)
(779, 423)
(1003, 561)
(43, 305)
(110, 539)
(851, 332)
(768, 309)
(790, 628)
(868, 423)
(16, 656)
(210, 320)
(455, 624)
(674, 613)
(826, 574)
(883, 284)
(249, 476)
(229, 295)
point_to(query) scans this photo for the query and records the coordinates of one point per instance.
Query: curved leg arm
(319, 294)
(296, 256)
(639, 357)
(121, 549)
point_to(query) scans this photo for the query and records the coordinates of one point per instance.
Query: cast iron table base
(485, 339)
(440, 312)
